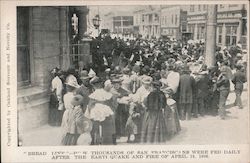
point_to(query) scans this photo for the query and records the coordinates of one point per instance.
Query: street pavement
(203, 130)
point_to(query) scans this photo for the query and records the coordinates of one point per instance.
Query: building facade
(151, 23)
(173, 21)
(118, 22)
(138, 27)
(46, 38)
(231, 23)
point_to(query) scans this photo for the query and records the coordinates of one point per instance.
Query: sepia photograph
(132, 75)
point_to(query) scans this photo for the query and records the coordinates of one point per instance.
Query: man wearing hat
(121, 112)
(186, 87)
(238, 59)
(126, 80)
(135, 78)
(223, 85)
(201, 85)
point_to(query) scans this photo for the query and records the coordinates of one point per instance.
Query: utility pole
(211, 35)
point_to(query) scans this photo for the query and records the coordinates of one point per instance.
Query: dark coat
(186, 87)
(154, 127)
(239, 78)
(202, 86)
(223, 83)
(84, 92)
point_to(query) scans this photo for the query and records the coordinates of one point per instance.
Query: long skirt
(121, 118)
(70, 139)
(103, 132)
(154, 129)
(55, 115)
(134, 123)
(172, 120)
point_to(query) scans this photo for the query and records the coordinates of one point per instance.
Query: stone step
(31, 94)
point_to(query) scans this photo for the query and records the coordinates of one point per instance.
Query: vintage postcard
(124, 81)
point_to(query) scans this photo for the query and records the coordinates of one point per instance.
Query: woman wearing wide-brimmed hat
(74, 122)
(101, 112)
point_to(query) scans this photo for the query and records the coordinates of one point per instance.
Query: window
(172, 20)
(199, 7)
(176, 19)
(220, 34)
(233, 5)
(150, 18)
(204, 7)
(191, 28)
(244, 26)
(191, 8)
(156, 18)
(23, 47)
(221, 6)
(231, 35)
(201, 31)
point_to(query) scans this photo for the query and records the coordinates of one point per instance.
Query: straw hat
(147, 80)
(126, 70)
(136, 68)
(239, 55)
(95, 80)
(84, 75)
(72, 82)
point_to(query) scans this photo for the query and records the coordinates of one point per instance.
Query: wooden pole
(211, 35)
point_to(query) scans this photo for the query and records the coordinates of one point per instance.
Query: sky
(106, 9)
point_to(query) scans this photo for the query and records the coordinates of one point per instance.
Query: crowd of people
(141, 89)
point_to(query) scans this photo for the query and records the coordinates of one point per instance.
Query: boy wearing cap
(239, 78)
(223, 85)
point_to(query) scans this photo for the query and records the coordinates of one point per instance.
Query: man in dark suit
(186, 87)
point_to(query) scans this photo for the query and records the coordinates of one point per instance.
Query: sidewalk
(202, 130)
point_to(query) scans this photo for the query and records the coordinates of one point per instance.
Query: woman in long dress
(56, 103)
(137, 109)
(154, 128)
(100, 112)
(74, 122)
(69, 136)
